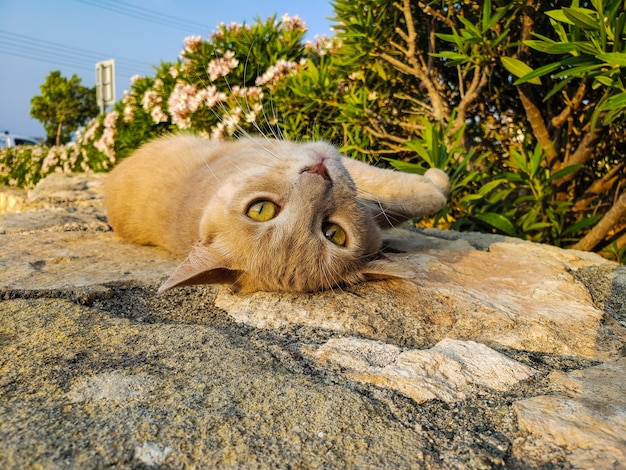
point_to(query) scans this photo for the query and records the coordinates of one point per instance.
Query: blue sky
(39, 36)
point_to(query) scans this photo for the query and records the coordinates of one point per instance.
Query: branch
(421, 104)
(479, 81)
(533, 114)
(599, 186)
(427, 9)
(385, 136)
(604, 226)
(584, 152)
(572, 104)
(415, 64)
(535, 119)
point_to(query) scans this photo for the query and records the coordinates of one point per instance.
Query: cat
(265, 214)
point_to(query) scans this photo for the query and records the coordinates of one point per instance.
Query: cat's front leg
(396, 196)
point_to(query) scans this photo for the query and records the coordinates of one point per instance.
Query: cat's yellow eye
(334, 233)
(262, 211)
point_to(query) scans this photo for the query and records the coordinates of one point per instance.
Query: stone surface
(586, 420)
(515, 295)
(497, 354)
(444, 372)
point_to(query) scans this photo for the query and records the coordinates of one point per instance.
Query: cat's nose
(319, 169)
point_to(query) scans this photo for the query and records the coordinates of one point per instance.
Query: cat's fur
(190, 195)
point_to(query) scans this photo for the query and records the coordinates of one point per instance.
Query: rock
(11, 200)
(584, 422)
(444, 372)
(516, 295)
(498, 353)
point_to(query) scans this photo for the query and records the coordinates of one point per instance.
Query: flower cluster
(222, 66)
(291, 23)
(193, 43)
(26, 165)
(274, 73)
(151, 103)
(63, 159)
(322, 45)
(90, 133)
(233, 28)
(106, 143)
(129, 102)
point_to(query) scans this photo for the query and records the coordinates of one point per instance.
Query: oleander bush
(523, 103)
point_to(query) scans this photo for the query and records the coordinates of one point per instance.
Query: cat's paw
(439, 179)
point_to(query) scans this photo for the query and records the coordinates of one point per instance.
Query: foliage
(63, 106)
(25, 165)
(522, 103)
(217, 88)
(548, 149)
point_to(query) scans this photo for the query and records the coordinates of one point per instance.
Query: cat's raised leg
(396, 196)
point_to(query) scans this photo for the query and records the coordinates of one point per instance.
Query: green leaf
(615, 102)
(563, 172)
(470, 28)
(498, 221)
(583, 224)
(557, 88)
(540, 72)
(559, 16)
(500, 12)
(419, 148)
(454, 57)
(448, 37)
(613, 58)
(406, 166)
(537, 226)
(486, 15)
(550, 47)
(519, 68)
(582, 71)
(535, 161)
(582, 17)
(488, 187)
(608, 81)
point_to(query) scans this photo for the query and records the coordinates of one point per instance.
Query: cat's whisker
(206, 164)
(322, 269)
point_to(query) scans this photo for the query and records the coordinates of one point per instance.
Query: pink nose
(320, 169)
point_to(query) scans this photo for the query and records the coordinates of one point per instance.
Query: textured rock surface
(499, 353)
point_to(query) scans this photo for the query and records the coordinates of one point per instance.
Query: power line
(145, 14)
(32, 53)
(31, 44)
(57, 62)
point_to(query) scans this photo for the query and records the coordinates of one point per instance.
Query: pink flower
(293, 22)
(158, 115)
(222, 66)
(281, 69)
(192, 43)
(150, 100)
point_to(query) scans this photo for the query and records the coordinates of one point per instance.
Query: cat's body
(264, 214)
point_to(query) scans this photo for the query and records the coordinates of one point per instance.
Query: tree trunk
(603, 227)
(59, 129)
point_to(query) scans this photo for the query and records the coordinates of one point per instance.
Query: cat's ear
(203, 265)
(385, 268)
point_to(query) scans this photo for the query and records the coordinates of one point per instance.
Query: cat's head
(291, 221)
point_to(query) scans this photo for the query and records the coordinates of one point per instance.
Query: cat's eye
(334, 233)
(262, 211)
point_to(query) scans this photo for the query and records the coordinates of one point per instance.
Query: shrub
(534, 142)
(25, 165)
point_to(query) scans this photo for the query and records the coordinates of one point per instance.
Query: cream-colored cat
(265, 214)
